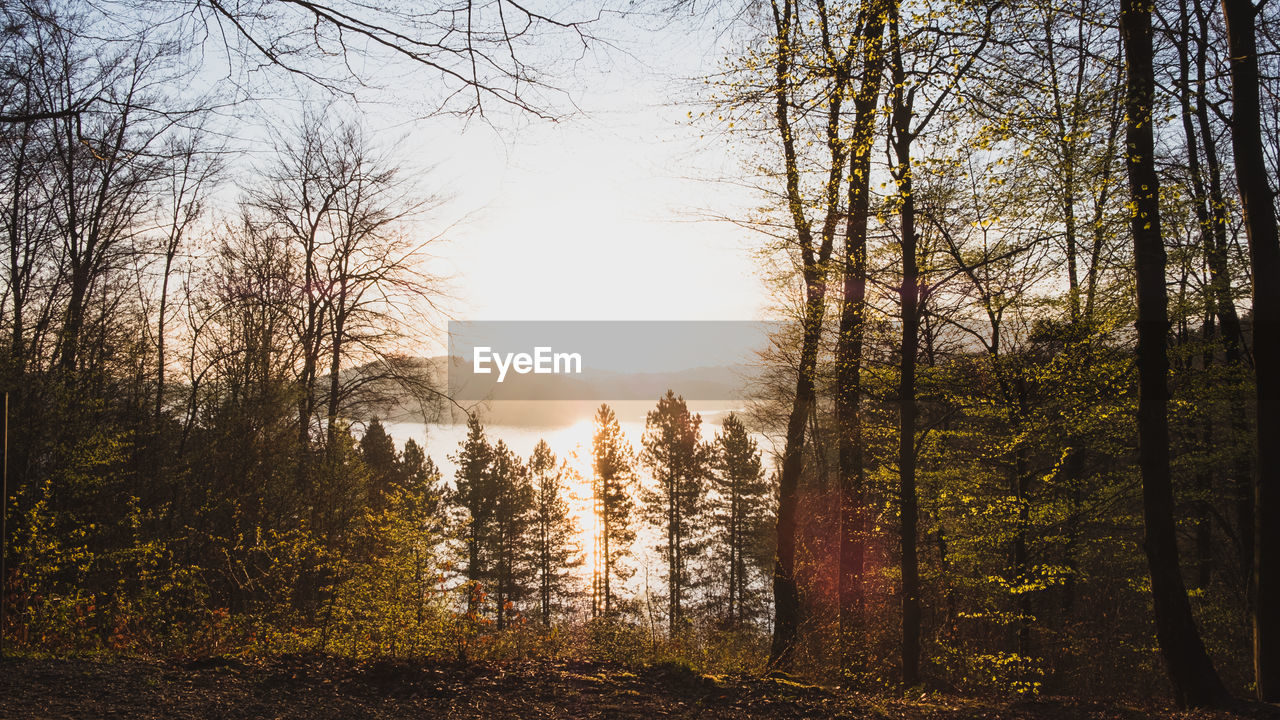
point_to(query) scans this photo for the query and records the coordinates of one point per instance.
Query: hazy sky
(597, 216)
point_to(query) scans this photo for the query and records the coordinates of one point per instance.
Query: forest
(1016, 440)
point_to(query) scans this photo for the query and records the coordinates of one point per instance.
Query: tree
(104, 172)
(494, 502)
(966, 39)
(739, 514)
(418, 500)
(909, 293)
(999, 263)
(554, 532)
(854, 510)
(192, 174)
(679, 460)
(343, 208)
(420, 478)
(415, 467)
(611, 491)
(1196, 95)
(474, 499)
(237, 425)
(791, 43)
(1258, 201)
(511, 546)
(1195, 682)
(378, 451)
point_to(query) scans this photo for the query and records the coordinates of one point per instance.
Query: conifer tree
(555, 549)
(680, 462)
(378, 451)
(509, 540)
(740, 514)
(473, 504)
(614, 469)
(419, 477)
(417, 498)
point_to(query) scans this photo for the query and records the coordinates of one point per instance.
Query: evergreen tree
(378, 451)
(554, 531)
(473, 504)
(509, 543)
(419, 478)
(613, 466)
(680, 462)
(740, 514)
(417, 500)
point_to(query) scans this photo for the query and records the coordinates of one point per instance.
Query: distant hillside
(543, 400)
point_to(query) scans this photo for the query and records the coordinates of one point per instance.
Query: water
(571, 443)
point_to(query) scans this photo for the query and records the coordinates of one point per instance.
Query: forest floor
(307, 688)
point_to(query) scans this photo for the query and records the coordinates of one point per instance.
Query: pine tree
(554, 532)
(509, 543)
(417, 499)
(613, 466)
(680, 462)
(420, 479)
(740, 513)
(378, 451)
(473, 504)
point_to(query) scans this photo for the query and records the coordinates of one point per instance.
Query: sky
(601, 215)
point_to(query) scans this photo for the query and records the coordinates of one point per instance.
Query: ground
(306, 688)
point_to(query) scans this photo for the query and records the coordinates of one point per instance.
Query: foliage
(680, 462)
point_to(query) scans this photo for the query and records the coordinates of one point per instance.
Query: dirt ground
(321, 687)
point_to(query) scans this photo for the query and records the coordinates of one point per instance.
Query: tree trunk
(18, 267)
(1195, 682)
(1220, 279)
(473, 567)
(673, 570)
(910, 299)
(608, 561)
(853, 512)
(786, 593)
(1204, 477)
(732, 551)
(1258, 201)
(170, 252)
(335, 386)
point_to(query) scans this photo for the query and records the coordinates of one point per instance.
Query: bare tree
(104, 170)
(192, 172)
(475, 53)
(346, 211)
